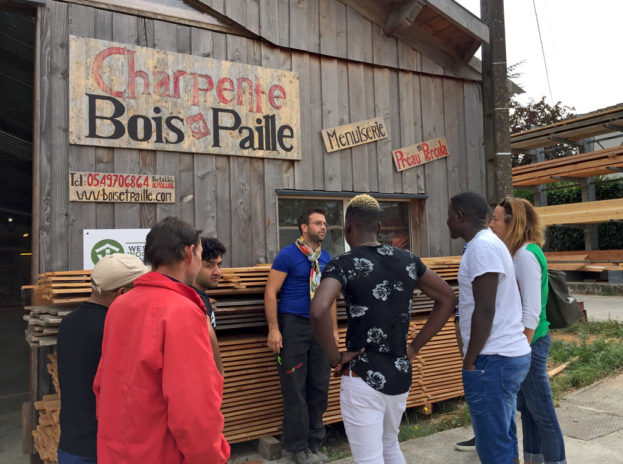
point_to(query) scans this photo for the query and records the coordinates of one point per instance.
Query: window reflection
(394, 222)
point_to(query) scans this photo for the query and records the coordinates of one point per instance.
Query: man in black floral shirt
(377, 282)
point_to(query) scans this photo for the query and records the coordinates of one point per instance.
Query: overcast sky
(581, 46)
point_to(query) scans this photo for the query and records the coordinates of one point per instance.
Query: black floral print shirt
(377, 284)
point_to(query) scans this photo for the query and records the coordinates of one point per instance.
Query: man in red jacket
(157, 387)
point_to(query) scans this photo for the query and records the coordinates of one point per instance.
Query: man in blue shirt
(303, 366)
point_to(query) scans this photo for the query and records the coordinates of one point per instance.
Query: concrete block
(269, 448)
(615, 277)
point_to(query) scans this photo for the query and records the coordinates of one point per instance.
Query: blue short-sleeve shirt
(294, 293)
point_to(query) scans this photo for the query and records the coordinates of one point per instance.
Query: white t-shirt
(528, 274)
(487, 253)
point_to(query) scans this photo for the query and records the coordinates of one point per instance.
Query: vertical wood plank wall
(234, 197)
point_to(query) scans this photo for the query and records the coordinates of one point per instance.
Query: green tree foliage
(537, 114)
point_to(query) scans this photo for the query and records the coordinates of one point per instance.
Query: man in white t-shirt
(496, 352)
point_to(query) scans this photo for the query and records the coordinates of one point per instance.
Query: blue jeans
(66, 458)
(491, 394)
(542, 437)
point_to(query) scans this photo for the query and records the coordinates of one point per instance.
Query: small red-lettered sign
(420, 153)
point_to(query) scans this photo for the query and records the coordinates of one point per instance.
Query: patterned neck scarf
(312, 256)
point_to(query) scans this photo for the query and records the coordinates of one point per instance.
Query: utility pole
(498, 165)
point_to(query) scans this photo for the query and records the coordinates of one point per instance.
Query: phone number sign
(121, 188)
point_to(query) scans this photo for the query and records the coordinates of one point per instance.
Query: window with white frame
(395, 221)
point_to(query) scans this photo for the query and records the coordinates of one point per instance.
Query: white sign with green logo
(98, 243)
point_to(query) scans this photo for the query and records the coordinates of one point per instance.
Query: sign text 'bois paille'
(135, 97)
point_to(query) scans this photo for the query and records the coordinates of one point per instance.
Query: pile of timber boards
(252, 403)
(66, 287)
(587, 212)
(585, 260)
(43, 323)
(61, 287)
(48, 431)
(591, 164)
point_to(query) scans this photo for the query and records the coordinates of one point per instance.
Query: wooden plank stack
(591, 164)
(252, 402)
(252, 381)
(585, 260)
(48, 431)
(43, 323)
(62, 287)
(577, 128)
(446, 266)
(70, 287)
(244, 277)
(582, 213)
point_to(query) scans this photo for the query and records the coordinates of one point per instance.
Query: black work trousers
(304, 374)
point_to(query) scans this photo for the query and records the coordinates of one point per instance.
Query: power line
(542, 51)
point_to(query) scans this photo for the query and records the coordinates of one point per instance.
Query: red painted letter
(220, 88)
(272, 97)
(97, 66)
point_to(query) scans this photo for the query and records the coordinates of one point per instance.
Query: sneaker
(306, 457)
(318, 452)
(467, 445)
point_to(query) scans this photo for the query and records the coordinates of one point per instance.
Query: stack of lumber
(48, 431)
(63, 287)
(577, 128)
(591, 164)
(585, 260)
(252, 403)
(446, 266)
(239, 295)
(43, 323)
(582, 213)
(244, 277)
(75, 286)
(237, 313)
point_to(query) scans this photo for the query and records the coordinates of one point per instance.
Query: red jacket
(157, 388)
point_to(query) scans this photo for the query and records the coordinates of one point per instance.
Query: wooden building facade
(403, 61)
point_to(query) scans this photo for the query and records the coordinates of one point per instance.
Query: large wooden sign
(121, 188)
(420, 153)
(126, 96)
(351, 135)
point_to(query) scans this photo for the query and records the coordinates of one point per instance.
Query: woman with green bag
(516, 222)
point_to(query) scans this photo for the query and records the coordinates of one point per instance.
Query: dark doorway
(17, 49)
(17, 39)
